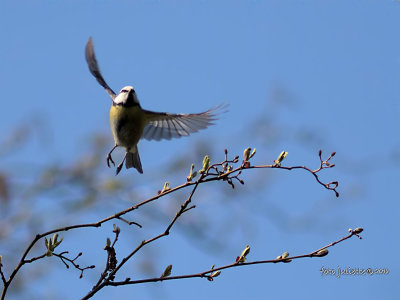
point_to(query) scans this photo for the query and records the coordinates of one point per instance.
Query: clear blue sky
(339, 62)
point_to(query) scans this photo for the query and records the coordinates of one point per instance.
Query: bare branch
(223, 171)
(207, 273)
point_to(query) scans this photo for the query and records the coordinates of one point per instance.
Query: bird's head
(126, 97)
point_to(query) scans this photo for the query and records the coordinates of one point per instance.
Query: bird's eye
(124, 91)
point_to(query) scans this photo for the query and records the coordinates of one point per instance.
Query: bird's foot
(109, 158)
(119, 168)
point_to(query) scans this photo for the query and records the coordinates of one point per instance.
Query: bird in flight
(129, 122)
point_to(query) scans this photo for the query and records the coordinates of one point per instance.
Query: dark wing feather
(94, 68)
(167, 126)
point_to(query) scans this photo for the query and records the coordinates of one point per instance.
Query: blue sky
(338, 65)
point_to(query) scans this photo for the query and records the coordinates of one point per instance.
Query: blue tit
(129, 122)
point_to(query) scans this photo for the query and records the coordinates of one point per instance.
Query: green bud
(206, 164)
(167, 271)
(48, 244)
(51, 244)
(245, 252)
(166, 187)
(55, 242)
(54, 238)
(191, 174)
(215, 274)
(285, 254)
(280, 158)
(108, 242)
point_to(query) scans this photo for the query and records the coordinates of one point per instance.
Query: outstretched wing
(94, 68)
(167, 126)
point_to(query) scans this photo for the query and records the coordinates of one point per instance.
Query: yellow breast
(126, 124)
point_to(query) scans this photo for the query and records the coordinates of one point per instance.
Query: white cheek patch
(121, 98)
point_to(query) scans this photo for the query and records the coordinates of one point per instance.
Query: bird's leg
(121, 164)
(109, 158)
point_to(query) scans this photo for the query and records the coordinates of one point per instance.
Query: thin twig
(129, 222)
(3, 278)
(207, 273)
(227, 173)
(105, 281)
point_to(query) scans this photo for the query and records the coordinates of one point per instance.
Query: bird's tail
(133, 160)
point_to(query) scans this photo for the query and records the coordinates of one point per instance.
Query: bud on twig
(191, 174)
(167, 271)
(116, 229)
(242, 257)
(51, 244)
(215, 274)
(108, 243)
(246, 154)
(166, 187)
(280, 158)
(206, 164)
(321, 253)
